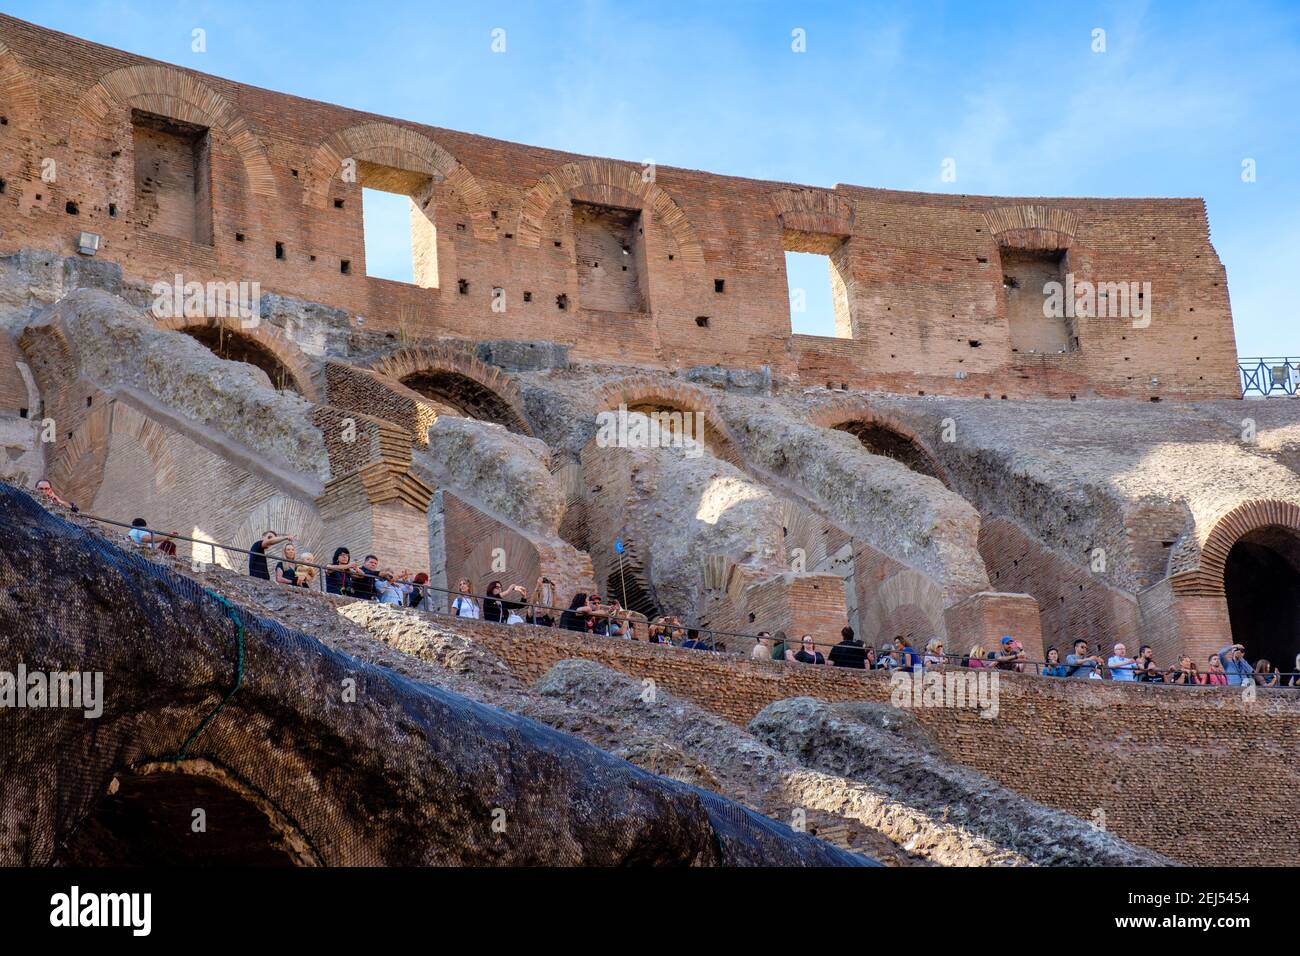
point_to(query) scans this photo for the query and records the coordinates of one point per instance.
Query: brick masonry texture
(1199, 775)
(920, 277)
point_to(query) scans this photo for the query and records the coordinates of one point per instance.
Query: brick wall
(920, 275)
(1199, 775)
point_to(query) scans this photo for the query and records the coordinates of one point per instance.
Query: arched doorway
(1261, 580)
(232, 346)
(152, 819)
(455, 394)
(880, 439)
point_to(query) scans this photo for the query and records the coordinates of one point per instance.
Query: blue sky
(883, 94)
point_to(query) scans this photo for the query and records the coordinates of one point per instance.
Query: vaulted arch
(1202, 571)
(20, 100)
(648, 394)
(591, 176)
(883, 434)
(176, 94)
(262, 345)
(387, 144)
(459, 381)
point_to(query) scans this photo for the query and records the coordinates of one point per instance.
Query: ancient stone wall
(1199, 775)
(180, 172)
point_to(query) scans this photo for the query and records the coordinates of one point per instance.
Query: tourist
(887, 660)
(544, 604)
(869, 658)
(389, 590)
(1216, 676)
(465, 604)
(286, 571)
(781, 649)
(1081, 663)
(657, 632)
(975, 657)
(762, 650)
(1054, 667)
(695, 642)
(338, 573)
(848, 652)
(1010, 655)
(908, 659)
(597, 617)
(365, 579)
(575, 618)
(257, 567)
(808, 653)
(1234, 664)
(1146, 666)
(305, 573)
(498, 605)
(933, 653)
(46, 491)
(677, 633)
(415, 596)
(141, 534)
(1295, 675)
(1265, 676)
(1120, 665)
(1184, 673)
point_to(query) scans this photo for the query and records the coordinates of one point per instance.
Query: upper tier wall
(183, 172)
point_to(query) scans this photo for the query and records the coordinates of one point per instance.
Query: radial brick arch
(455, 378)
(907, 599)
(79, 468)
(1206, 576)
(387, 144)
(884, 435)
(588, 176)
(20, 101)
(651, 395)
(813, 211)
(283, 515)
(176, 94)
(265, 346)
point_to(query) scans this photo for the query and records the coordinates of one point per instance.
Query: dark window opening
(345, 266)
(279, 250)
(702, 321)
(112, 210)
(239, 237)
(528, 297)
(719, 285)
(70, 208)
(338, 204)
(562, 301)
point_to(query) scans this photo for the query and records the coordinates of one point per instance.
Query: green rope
(239, 674)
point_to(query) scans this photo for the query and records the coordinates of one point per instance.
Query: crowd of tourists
(586, 613)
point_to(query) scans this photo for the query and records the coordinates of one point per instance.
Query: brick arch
(1029, 226)
(265, 336)
(1206, 577)
(388, 144)
(641, 391)
(813, 210)
(170, 92)
(21, 100)
(844, 416)
(480, 390)
(592, 176)
(907, 595)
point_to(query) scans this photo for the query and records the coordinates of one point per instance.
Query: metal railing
(1264, 377)
(679, 634)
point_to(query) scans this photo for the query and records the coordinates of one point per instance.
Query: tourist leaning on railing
(1054, 667)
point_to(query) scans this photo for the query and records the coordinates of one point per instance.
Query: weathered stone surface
(116, 348)
(516, 356)
(504, 474)
(427, 772)
(320, 331)
(887, 750)
(33, 278)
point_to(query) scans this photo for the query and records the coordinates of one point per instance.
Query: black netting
(315, 757)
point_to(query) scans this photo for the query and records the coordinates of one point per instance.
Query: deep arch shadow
(1261, 581)
(234, 346)
(880, 439)
(461, 395)
(458, 383)
(149, 820)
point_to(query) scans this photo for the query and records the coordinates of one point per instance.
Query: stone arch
(1029, 226)
(883, 435)
(21, 101)
(1201, 572)
(388, 144)
(457, 379)
(78, 469)
(596, 176)
(144, 818)
(645, 394)
(907, 596)
(167, 91)
(816, 211)
(262, 345)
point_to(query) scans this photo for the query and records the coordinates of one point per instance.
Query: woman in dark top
(336, 572)
(417, 589)
(575, 618)
(809, 654)
(497, 607)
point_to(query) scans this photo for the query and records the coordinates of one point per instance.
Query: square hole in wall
(819, 303)
(607, 252)
(399, 219)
